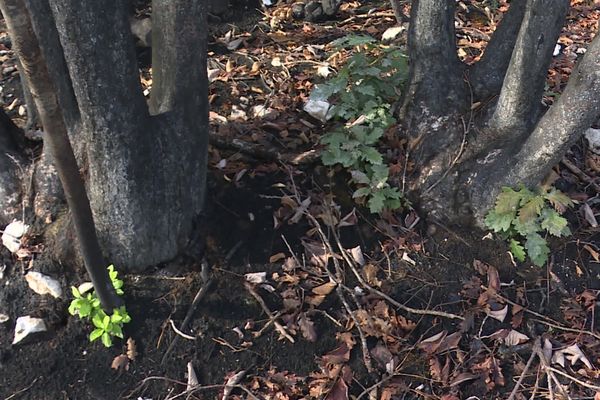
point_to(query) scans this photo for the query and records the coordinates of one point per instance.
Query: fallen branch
(580, 174)
(280, 328)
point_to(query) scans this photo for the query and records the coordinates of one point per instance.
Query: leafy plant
(87, 306)
(522, 216)
(362, 94)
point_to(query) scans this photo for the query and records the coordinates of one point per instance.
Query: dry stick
(379, 293)
(580, 174)
(545, 320)
(548, 370)
(15, 394)
(199, 295)
(527, 366)
(363, 339)
(578, 381)
(197, 388)
(280, 328)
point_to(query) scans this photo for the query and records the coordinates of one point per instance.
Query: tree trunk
(464, 160)
(145, 174)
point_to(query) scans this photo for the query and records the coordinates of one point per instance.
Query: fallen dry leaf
(307, 328)
(324, 289)
(572, 353)
(131, 349)
(120, 362)
(499, 315)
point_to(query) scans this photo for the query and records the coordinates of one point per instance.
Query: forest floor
(308, 295)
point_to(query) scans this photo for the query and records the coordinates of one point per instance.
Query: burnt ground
(439, 272)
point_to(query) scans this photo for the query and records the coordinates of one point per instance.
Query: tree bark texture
(145, 174)
(57, 140)
(519, 144)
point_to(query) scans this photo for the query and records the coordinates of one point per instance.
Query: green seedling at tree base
(362, 93)
(87, 306)
(521, 216)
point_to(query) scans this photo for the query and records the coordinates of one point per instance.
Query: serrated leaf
(537, 249)
(498, 222)
(531, 209)
(372, 155)
(508, 201)
(554, 223)
(365, 89)
(559, 200)
(376, 203)
(352, 40)
(526, 228)
(517, 250)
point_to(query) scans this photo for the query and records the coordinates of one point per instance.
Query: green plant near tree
(87, 306)
(523, 216)
(362, 94)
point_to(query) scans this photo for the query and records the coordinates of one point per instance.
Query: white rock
(85, 287)
(11, 238)
(26, 326)
(3, 318)
(392, 33)
(593, 137)
(43, 284)
(318, 109)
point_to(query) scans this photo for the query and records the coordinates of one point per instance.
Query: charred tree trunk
(145, 174)
(42, 90)
(463, 161)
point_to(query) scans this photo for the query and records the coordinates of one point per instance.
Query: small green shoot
(362, 93)
(523, 216)
(87, 306)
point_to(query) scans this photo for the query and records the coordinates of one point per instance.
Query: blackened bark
(575, 111)
(487, 75)
(435, 97)
(34, 67)
(435, 84)
(146, 175)
(519, 105)
(11, 164)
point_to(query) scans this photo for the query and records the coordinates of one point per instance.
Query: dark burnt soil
(63, 364)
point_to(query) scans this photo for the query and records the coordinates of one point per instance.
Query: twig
(280, 328)
(545, 320)
(177, 331)
(580, 174)
(527, 366)
(199, 296)
(537, 349)
(191, 391)
(22, 390)
(576, 380)
(379, 293)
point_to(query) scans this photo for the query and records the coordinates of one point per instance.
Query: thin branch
(280, 328)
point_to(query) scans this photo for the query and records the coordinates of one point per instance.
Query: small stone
(392, 33)
(3, 318)
(43, 284)
(26, 326)
(593, 137)
(11, 238)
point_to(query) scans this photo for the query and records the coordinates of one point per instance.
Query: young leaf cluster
(87, 306)
(523, 216)
(362, 93)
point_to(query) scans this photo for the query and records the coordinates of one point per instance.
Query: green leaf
(97, 320)
(376, 203)
(106, 340)
(531, 209)
(508, 201)
(365, 89)
(96, 333)
(85, 308)
(75, 292)
(537, 249)
(360, 177)
(553, 222)
(117, 331)
(526, 228)
(372, 155)
(498, 222)
(517, 250)
(559, 200)
(106, 322)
